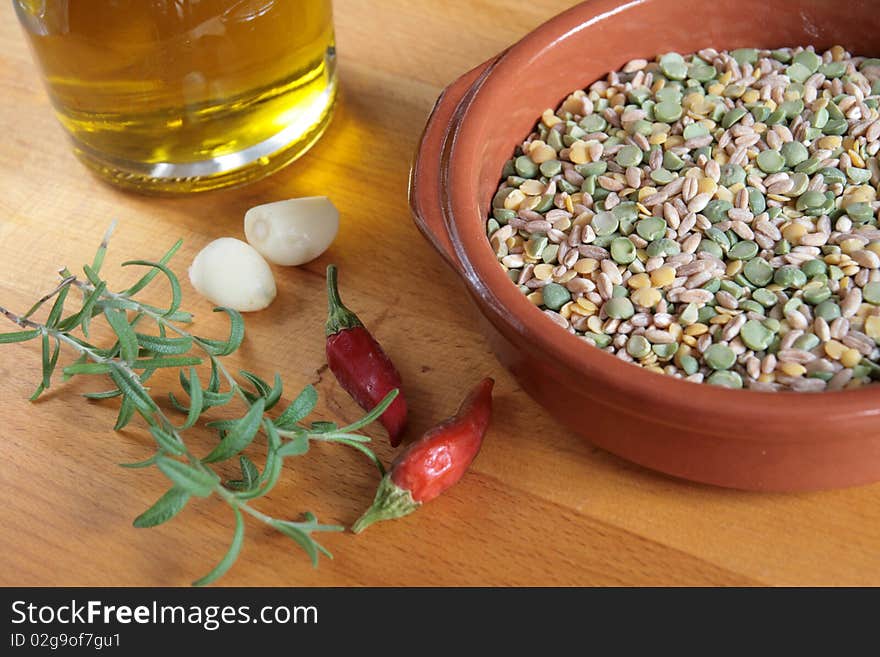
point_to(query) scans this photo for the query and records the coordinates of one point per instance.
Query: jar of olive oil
(175, 96)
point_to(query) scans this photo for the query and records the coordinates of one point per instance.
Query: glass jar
(175, 96)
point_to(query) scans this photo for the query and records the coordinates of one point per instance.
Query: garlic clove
(294, 231)
(232, 273)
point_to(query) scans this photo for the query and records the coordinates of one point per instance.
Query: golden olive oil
(186, 95)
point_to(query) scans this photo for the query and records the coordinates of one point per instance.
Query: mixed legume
(712, 217)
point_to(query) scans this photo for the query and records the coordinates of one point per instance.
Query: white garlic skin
(294, 231)
(232, 273)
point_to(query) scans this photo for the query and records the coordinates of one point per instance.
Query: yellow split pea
(662, 276)
(647, 297)
(872, 326)
(638, 281)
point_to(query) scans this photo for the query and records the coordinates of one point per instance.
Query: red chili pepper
(359, 364)
(434, 462)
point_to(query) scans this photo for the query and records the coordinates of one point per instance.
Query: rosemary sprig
(135, 356)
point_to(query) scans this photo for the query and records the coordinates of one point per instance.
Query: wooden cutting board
(540, 506)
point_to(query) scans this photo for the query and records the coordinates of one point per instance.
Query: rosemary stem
(232, 500)
(221, 491)
(123, 363)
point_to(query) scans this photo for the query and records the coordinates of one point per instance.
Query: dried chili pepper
(357, 361)
(434, 462)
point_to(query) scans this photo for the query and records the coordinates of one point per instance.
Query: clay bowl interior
(742, 439)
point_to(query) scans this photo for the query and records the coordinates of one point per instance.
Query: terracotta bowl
(736, 438)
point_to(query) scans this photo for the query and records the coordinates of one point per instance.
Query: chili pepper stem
(339, 317)
(391, 501)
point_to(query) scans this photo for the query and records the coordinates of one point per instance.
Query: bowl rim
(487, 281)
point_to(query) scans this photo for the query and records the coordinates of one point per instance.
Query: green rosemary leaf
(195, 400)
(120, 304)
(126, 412)
(238, 437)
(184, 380)
(200, 483)
(183, 408)
(335, 436)
(82, 317)
(150, 363)
(223, 425)
(249, 473)
(310, 519)
(301, 533)
(374, 414)
(213, 347)
(236, 335)
(149, 276)
(89, 308)
(128, 342)
(177, 316)
(270, 393)
(168, 441)
(211, 395)
(299, 408)
(262, 387)
(57, 307)
(165, 508)
(50, 359)
(98, 262)
(18, 336)
(133, 388)
(249, 476)
(92, 275)
(296, 447)
(146, 463)
(164, 346)
(176, 294)
(217, 398)
(272, 470)
(107, 394)
(79, 361)
(323, 427)
(36, 393)
(214, 381)
(274, 395)
(87, 368)
(231, 555)
(250, 397)
(311, 524)
(236, 329)
(305, 541)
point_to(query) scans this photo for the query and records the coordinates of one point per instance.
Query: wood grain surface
(540, 506)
